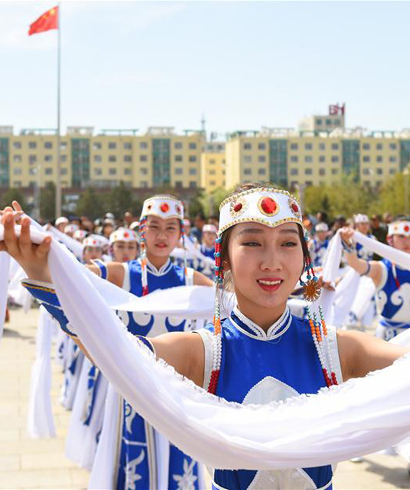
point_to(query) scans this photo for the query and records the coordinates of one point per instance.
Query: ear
(225, 266)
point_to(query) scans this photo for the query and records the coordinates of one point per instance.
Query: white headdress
(93, 241)
(123, 235)
(361, 218)
(399, 228)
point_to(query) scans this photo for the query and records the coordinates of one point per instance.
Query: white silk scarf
(304, 431)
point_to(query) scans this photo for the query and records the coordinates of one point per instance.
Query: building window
(64, 171)
(178, 184)
(17, 145)
(48, 171)
(127, 145)
(261, 158)
(319, 122)
(212, 182)
(262, 171)
(128, 158)
(97, 159)
(294, 158)
(294, 146)
(112, 171)
(379, 146)
(178, 158)
(178, 171)
(48, 158)
(294, 171)
(335, 171)
(392, 159)
(112, 145)
(97, 146)
(32, 171)
(322, 146)
(379, 158)
(48, 145)
(32, 159)
(308, 159)
(392, 171)
(192, 184)
(143, 145)
(63, 158)
(212, 172)
(335, 146)
(366, 158)
(308, 146)
(143, 171)
(247, 159)
(143, 158)
(366, 171)
(192, 146)
(32, 145)
(17, 158)
(192, 171)
(112, 158)
(308, 171)
(63, 145)
(328, 122)
(178, 145)
(247, 146)
(247, 171)
(322, 171)
(379, 171)
(366, 146)
(192, 158)
(17, 171)
(335, 159)
(336, 122)
(392, 146)
(322, 159)
(144, 183)
(261, 146)
(17, 183)
(212, 161)
(127, 171)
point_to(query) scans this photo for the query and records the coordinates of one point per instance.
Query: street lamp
(406, 189)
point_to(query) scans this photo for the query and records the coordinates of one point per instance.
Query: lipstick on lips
(270, 283)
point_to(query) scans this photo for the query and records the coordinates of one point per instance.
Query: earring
(311, 288)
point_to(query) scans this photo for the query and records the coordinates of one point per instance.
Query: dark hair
(227, 233)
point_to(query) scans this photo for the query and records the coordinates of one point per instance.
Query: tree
(210, 202)
(90, 204)
(195, 205)
(13, 195)
(119, 200)
(48, 201)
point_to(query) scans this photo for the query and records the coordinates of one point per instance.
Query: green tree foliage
(392, 196)
(90, 204)
(119, 200)
(195, 205)
(211, 201)
(12, 195)
(48, 201)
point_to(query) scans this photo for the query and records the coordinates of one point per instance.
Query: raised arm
(372, 269)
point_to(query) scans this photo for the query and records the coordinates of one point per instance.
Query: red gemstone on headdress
(237, 207)
(149, 206)
(406, 229)
(295, 208)
(164, 207)
(178, 209)
(268, 205)
(126, 235)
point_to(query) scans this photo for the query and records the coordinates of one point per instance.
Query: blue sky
(243, 64)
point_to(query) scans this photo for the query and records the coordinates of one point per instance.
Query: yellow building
(156, 159)
(213, 166)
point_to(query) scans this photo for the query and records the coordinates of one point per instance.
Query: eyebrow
(260, 231)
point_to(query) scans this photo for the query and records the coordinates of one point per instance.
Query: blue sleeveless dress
(258, 368)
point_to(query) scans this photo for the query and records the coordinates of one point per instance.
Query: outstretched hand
(31, 257)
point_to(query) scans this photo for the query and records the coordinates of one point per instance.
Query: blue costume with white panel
(361, 252)
(318, 250)
(258, 368)
(393, 300)
(138, 454)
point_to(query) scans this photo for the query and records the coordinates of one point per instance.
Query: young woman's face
(92, 253)
(208, 238)
(161, 235)
(363, 228)
(265, 263)
(125, 251)
(401, 242)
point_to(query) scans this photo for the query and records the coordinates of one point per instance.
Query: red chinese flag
(48, 21)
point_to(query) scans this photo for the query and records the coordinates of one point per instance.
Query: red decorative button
(149, 206)
(268, 206)
(295, 208)
(237, 207)
(178, 209)
(164, 207)
(126, 235)
(406, 229)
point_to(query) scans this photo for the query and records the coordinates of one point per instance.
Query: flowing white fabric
(305, 431)
(40, 421)
(73, 245)
(4, 274)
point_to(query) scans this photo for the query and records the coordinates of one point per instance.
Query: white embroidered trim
(260, 334)
(126, 283)
(333, 351)
(383, 279)
(207, 338)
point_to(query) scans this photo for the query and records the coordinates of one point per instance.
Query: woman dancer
(392, 282)
(261, 352)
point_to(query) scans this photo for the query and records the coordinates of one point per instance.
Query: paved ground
(27, 464)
